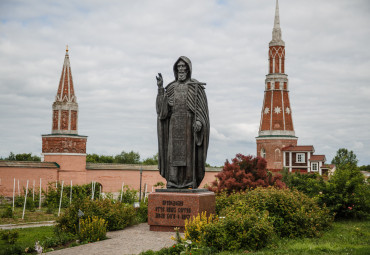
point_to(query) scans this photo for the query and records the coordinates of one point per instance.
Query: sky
(116, 49)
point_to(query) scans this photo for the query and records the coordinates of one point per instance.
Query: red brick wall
(73, 120)
(55, 144)
(7, 175)
(111, 180)
(55, 119)
(270, 146)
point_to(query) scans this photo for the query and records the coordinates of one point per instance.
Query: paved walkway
(131, 240)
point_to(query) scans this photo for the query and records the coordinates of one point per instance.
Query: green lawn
(28, 237)
(345, 237)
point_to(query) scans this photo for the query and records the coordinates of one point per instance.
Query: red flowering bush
(245, 172)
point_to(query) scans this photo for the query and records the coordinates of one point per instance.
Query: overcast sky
(116, 49)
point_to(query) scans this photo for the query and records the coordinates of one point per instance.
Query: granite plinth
(169, 210)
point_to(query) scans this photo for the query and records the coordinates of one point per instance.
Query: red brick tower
(276, 127)
(64, 145)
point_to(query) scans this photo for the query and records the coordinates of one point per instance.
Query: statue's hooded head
(182, 69)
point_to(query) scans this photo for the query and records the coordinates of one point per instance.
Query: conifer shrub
(93, 229)
(117, 215)
(292, 213)
(245, 172)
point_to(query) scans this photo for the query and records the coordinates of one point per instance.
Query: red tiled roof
(317, 158)
(330, 166)
(299, 148)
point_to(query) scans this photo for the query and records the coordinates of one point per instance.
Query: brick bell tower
(64, 146)
(276, 127)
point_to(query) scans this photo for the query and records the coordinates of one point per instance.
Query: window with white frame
(314, 166)
(300, 158)
(263, 153)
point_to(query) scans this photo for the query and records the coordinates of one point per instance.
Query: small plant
(129, 196)
(50, 210)
(9, 236)
(8, 212)
(142, 212)
(195, 227)
(159, 185)
(93, 229)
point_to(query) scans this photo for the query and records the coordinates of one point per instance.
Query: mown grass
(28, 237)
(36, 216)
(345, 237)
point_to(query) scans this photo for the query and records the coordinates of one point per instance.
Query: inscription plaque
(169, 210)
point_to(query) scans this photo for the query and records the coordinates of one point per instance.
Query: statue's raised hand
(159, 80)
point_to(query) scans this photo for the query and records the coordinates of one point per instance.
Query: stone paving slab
(131, 240)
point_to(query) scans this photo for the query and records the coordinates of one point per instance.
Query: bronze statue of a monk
(183, 128)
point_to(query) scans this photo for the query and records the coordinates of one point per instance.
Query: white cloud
(117, 48)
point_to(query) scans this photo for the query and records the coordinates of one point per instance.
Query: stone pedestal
(168, 208)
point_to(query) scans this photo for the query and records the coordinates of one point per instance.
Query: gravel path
(28, 225)
(131, 240)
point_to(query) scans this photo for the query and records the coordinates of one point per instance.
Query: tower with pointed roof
(64, 144)
(276, 127)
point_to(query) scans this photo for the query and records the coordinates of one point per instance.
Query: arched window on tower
(263, 153)
(277, 155)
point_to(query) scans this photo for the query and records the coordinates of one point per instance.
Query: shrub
(18, 201)
(13, 249)
(310, 184)
(250, 230)
(9, 236)
(142, 212)
(93, 229)
(195, 227)
(292, 213)
(129, 196)
(78, 192)
(116, 215)
(8, 212)
(243, 173)
(347, 194)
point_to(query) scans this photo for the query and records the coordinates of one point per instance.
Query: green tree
(22, 157)
(151, 161)
(95, 158)
(347, 194)
(127, 158)
(344, 157)
(365, 168)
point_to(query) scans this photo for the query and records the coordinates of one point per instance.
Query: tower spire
(276, 31)
(64, 138)
(65, 107)
(276, 127)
